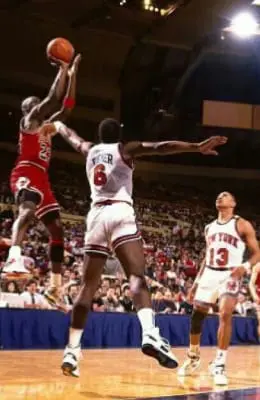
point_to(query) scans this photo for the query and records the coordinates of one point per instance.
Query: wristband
(69, 103)
(247, 266)
(58, 126)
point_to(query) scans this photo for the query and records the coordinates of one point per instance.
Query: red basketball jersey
(257, 284)
(34, 148)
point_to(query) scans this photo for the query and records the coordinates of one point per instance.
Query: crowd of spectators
(171, 217)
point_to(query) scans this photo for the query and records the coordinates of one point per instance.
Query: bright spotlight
(244, 25)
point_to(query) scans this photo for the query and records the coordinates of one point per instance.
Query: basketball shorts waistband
(110, 203)
(220, 269)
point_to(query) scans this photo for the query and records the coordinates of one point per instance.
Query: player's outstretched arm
(72, 138)
(207, 147)
(55, 95)
(69, 100)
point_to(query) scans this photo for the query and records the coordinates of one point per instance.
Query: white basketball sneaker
(219, 374)
(14, 269)
(70, 363)
(155, 346)
(190, 365)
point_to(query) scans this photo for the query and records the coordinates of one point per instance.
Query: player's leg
(93, 267)
(131, 256)
(53, 223)
(227, 304)
(97, 251)
(205, 297)
(27, 201)
(192, 361)
(258, 320)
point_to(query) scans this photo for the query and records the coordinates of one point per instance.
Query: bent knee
(137, 283)
(225, 315)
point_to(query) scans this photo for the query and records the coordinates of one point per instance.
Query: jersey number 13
(219, 257)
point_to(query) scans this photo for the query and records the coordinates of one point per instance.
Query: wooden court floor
(119, 374)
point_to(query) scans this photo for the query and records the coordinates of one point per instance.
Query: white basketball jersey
(225, 248)
(110, 177)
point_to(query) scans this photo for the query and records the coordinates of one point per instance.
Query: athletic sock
(146, 318)
(221, 357)
(15, 252)
(195, 349)
(55, 280)
(75, 337)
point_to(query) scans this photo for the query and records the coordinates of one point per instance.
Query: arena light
(256, 3)
(147, 4)
(244, 25)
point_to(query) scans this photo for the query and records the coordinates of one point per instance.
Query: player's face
(225, 200)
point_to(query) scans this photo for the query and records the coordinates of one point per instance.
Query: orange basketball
(61, 49)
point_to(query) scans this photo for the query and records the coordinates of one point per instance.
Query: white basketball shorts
(215, 284)
(109, 226)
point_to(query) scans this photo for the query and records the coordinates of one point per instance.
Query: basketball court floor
(124, 374)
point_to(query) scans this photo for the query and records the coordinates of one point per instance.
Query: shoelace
(166, 342)
(219, 369)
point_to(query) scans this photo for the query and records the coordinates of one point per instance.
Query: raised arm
(69, 100)
(71, 137)
(50, 103)
(139, 149)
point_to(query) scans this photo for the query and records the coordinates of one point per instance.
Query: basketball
(60, 49)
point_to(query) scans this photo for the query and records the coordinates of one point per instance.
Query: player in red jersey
(29, 179)
(254, 287)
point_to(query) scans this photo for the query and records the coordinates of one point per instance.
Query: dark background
(151, 71)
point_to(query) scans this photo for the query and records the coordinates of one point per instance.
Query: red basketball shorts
(34, 179)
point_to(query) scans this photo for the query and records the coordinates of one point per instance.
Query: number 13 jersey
(110, 175)
(225, 247)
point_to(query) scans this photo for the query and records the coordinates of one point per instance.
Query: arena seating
(171, 218)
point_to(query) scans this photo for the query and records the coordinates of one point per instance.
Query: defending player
(111, 225)
(219, 279)
(254, 287)
(29, 178)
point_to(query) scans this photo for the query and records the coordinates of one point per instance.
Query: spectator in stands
(11, 287)
(72, 292)
(111, 301)
(126, 299)
(31, 297)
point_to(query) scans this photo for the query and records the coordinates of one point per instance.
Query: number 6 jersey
(110, 175)
(225, 247)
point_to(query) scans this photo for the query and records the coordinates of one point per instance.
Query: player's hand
(58, 63)
(207, 147)
(74, 68)
(238, 272)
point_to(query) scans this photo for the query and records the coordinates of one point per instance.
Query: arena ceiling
(122, 48)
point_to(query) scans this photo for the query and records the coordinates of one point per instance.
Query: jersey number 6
(100, 178)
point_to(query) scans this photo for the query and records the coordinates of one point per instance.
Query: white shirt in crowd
(34, 298)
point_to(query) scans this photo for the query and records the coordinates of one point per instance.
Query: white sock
(195, 348)
(75, 337)
(55, 280)
(146, 318)
(221, 357)
(14, 252)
